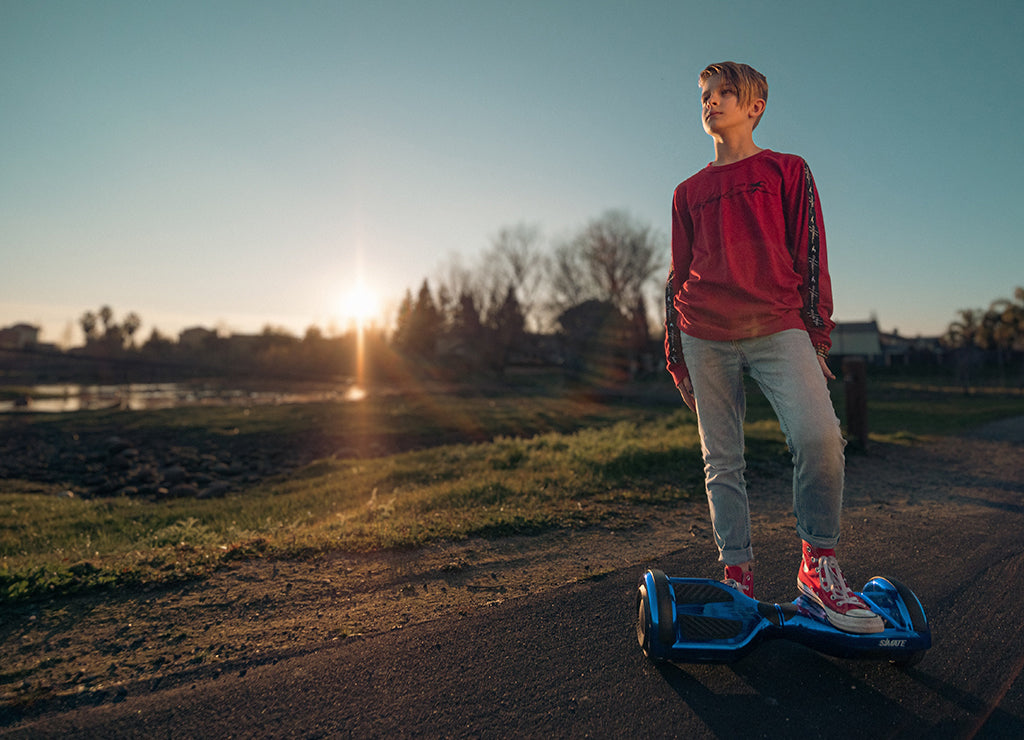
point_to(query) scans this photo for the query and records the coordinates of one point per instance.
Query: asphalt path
(565, 663)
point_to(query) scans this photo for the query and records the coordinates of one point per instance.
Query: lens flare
(359, 305)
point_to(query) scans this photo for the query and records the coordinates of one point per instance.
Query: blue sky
(234, 164)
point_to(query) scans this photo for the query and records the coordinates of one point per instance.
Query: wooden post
(855, 379)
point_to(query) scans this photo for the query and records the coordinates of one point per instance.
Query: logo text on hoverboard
(892, 643)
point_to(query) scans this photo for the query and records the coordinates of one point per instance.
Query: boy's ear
(757, 107)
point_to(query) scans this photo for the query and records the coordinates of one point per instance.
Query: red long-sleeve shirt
(748, 255)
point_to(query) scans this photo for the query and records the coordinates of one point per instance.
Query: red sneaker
(737, 578)
(820, 579)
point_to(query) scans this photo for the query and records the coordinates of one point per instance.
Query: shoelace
(733, 583)
(831, 579)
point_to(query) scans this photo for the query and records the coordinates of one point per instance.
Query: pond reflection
(69, 397)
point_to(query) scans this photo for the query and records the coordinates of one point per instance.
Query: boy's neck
(730, 152)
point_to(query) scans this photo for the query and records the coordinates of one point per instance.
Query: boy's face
(721, 111)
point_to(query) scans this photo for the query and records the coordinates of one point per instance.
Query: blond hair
(749, 83)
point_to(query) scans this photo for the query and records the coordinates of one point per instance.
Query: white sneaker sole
(860, 622)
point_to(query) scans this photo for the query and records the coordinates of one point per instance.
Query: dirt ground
(100, 648)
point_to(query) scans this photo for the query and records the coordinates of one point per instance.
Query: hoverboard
(696, 620)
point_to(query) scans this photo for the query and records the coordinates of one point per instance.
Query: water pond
(69, 397)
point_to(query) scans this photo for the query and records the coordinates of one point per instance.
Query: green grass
(923, 411)
(549, 463)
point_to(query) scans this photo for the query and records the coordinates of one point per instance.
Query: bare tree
(519, 266)
(611, 259)
(568, 282)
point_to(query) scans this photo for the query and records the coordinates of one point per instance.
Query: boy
(749, 291)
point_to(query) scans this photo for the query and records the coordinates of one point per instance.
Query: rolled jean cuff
(737, 557)
(824, 542)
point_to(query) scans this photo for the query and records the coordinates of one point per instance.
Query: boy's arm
(673, 351)
(807, 236)
(676, 277)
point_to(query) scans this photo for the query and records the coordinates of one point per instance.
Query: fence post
(855, 381)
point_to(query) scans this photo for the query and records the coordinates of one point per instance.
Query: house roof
(856, 338)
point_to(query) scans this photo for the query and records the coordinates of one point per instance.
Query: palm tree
(130, 325)
(88, 323)
(1005, 326)
(106, 316)
(963, 335)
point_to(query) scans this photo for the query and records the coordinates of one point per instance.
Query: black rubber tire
(666, 625)
(644, 623)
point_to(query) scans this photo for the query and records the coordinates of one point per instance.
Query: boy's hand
(824, 368)
(685, 389)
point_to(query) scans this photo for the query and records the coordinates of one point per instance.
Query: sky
(238, 163)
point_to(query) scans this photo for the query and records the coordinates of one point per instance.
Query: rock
(173, 474)
(217, 489)
(145, 475)
(124, 459)
(183, 490)
(115, 445)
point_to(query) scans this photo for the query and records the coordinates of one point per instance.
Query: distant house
(196, 338)
(857, 339)
(19, 336)
(899, 350)
(863, 339)
(247, 345)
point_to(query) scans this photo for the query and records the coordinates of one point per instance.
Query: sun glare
(359, 306)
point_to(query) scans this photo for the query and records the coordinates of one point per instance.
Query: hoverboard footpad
(700, 593)
(698, 629)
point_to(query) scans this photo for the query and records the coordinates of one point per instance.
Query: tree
(115, 336)
(403, 323)
(427, 322)
(130, 325)
(465, 341)
(611, 259)
(568, 283)
(507, 325)
(445, 305)
(106, 316)
(1002, 329)
(88, 322)
(466, 326)
(640, 338)
(158, 346)
(519, 265)
(962, 335)
(419, 324)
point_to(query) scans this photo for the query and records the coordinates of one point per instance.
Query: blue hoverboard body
(696, 620)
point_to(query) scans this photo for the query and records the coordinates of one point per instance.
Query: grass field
(533, 463)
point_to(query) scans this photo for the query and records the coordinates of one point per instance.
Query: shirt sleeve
(681, 256)
(806, 236)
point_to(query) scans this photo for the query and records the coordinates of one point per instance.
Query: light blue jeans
(786, 368)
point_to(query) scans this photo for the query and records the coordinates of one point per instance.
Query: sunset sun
(358, 305)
